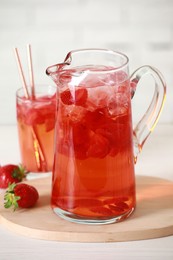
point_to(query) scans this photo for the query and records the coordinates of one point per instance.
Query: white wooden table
(156, 159)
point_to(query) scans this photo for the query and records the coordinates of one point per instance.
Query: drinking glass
(36, 124)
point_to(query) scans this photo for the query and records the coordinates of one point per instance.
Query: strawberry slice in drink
(50, 123)
(116, 200)
(80, 140)
(117, 210)
(117, 205)
(79, 97)
(80, 133)
(34, 116)
(102, 211)
(66, 97)
(81, 151)
(95, 119)
(99, 146)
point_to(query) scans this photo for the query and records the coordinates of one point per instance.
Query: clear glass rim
(51, 70)
(39, 89)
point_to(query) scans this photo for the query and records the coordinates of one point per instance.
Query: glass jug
(96, 146)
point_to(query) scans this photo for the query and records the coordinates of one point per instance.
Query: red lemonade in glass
(93, 175)
(36, 122)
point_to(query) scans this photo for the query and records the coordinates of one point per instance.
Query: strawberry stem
(19, 173)
(10, 199)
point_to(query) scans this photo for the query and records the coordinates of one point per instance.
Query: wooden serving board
(152, 218)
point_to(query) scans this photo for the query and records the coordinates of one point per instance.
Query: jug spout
(55, 70)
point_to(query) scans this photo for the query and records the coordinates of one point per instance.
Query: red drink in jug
(93, 174)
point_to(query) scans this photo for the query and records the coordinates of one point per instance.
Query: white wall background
(143, 29)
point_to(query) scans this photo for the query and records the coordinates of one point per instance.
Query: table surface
(156, 159)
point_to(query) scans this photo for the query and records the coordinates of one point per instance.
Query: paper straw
(31, 74)
(39, 156)
(24, 85)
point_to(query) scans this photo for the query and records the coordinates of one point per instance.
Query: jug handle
(149, 120)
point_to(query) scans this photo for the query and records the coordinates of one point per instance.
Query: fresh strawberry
(11, 173)
(20, 195)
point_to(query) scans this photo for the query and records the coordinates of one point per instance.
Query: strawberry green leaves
(10, 199)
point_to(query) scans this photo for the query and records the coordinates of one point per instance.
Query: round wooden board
(152, 218)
